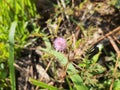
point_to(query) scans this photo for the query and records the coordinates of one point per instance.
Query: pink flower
(60, 44)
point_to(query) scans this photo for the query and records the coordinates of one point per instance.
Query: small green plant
(3, 76)
(72, 72)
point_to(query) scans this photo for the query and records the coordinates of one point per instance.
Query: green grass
(11, 55)
(14, 17)
(42, 84)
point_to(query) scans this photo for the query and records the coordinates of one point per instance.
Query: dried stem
(118, 57)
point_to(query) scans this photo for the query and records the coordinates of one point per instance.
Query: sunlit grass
(11, 55)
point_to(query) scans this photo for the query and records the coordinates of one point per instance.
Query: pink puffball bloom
(60, 44)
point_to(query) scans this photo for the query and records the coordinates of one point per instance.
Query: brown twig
(116, 39)
(118, 56)
(100, 39)
(106, 35)
(113, 44)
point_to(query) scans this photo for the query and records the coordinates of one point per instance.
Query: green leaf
(47, 42)
(96, 57)
(11, 55)
(116, 85)
(42, 84)
(116, 3)
(76, 79)
(72, 72)
(62, 59)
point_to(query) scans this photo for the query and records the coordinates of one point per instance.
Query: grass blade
(42, 84)
(11, 55)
